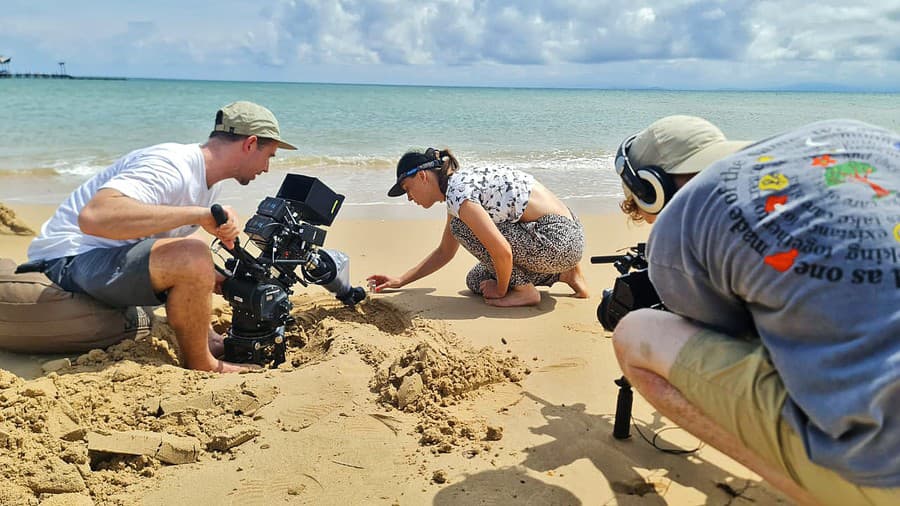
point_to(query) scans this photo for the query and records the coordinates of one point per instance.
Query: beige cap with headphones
(681, 145)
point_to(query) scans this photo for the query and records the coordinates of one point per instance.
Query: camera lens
(606, 319)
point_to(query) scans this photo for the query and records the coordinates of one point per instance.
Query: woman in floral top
(521, 233)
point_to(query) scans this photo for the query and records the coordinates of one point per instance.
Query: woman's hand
(382, 282)
(490, 290)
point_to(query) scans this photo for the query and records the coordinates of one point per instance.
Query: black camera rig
(258, 288)
(632, 290)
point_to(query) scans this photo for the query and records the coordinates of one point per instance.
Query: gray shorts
(118, 277)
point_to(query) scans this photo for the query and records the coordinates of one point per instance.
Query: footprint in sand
(297, 488)
(374, 426)
(567, 363)
(300, 410)
(584, 328)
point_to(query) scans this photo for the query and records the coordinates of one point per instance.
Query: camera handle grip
(219, 214)
(221, 218)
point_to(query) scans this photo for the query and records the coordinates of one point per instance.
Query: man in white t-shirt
(123, 238)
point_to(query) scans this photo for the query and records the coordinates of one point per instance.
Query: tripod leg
(622, 424)
(280, 348)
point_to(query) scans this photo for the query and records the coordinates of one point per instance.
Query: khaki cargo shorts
(734, 383)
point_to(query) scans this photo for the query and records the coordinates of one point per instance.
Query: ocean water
(54, 134)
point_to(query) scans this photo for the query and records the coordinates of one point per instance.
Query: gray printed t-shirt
(797, 239)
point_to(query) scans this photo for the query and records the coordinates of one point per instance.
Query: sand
(422, 395)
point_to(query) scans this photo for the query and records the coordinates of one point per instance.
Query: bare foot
(224, 367)
(575, 279)
(522, 295)
(215, 365)
(216, 343)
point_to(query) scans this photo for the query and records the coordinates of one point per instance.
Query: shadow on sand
(579, 435)
(470, 305)
(504, 486)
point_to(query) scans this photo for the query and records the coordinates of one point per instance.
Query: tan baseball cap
(681, 145)
(247, 118)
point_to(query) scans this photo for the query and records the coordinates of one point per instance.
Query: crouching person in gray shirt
(779, 264)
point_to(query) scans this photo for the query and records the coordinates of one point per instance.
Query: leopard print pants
(541, 249)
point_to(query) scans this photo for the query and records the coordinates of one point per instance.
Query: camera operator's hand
(382, 282)
(490, 290)
(228, 231)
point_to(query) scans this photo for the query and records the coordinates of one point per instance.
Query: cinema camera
(285, 231)
(632, 290)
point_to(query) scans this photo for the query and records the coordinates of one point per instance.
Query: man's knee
(188, 259)
(651, 339)
(627, 338)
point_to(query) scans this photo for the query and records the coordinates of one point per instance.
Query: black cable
(672, 451)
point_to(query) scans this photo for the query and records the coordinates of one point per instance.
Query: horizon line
(793, 88)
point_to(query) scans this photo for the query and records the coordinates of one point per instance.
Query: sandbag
(37, 316)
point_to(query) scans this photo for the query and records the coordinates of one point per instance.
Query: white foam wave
(78, 169)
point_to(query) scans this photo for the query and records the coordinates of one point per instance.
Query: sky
(630, 44)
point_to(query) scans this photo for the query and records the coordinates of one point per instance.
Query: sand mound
(434, 375)
(101, 426)
(127, 390)
(11, 224)
(426, 376)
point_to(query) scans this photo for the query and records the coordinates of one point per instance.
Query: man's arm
(112, 215)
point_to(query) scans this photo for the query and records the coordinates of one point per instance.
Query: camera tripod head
(258, 287)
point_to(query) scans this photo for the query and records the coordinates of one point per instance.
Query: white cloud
(502, 31)
(560, 31)
(433, 41)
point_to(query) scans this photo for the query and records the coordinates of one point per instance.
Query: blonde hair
(630, 207)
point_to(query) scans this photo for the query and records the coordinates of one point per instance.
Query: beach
(422, 395)
(511, 405)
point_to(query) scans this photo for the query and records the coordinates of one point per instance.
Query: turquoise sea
(56, 133)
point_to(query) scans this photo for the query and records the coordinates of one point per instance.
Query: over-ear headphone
(650, 185)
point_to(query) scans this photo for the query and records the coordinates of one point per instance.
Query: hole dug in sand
(323, 323)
